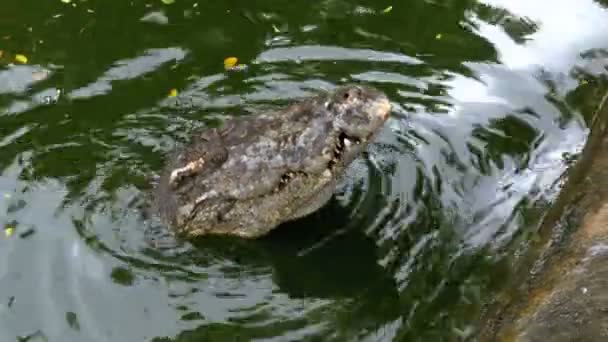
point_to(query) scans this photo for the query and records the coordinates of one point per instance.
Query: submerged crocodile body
(256, 172)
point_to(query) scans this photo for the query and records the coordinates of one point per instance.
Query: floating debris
(388, 9)
(72, 320)
(8, 231)
(173, 92)
(239, 67)
(27, 233)
(20, 58)
(122, 276)
(230, 64)
(37, 336)
(438, 36)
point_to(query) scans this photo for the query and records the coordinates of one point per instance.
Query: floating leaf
(173, 92)
(388, 9)
(275, 28)
(438, 36)
(8, 231)
(20, 58)
(230, 62)
(167, 2)
(66, 1)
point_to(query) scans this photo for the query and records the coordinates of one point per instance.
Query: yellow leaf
(21, 58)
(8, 231)
(438, 36)
(230, 62)
(173, 92)
(388, 9)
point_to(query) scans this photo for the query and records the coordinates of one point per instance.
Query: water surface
(491, 101)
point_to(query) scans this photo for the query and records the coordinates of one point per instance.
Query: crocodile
(256, 172)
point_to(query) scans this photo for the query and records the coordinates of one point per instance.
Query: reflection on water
(487, 104)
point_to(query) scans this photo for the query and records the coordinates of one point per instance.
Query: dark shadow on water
(322, 256)
(318, 256)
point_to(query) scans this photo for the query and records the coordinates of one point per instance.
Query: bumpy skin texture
(256, 172)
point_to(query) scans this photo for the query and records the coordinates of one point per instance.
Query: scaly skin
(256, 172)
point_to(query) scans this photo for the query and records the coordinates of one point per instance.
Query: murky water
(489, 106)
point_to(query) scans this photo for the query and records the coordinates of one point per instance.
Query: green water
(490, 102)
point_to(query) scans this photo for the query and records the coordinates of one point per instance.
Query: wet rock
(562, 288)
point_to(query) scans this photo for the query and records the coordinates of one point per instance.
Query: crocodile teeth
(347, 143)
(327, 173)
(191, 168)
